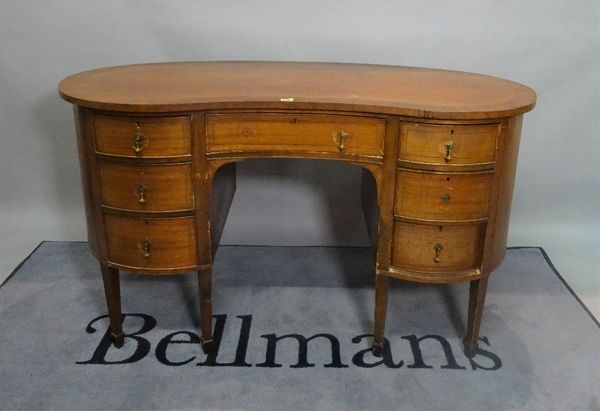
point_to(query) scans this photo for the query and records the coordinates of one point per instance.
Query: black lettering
(242, 345)
(143, 345)
(272, 339)
(161, 347)
(497, 362)
(359, 358)
(418, 354)
(483, 359)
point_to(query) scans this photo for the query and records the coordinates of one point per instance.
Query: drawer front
(300, 132)
(146, 187)
(448, 144)
(442, 196)
(143, 136)
(166, 243)
(437, 248)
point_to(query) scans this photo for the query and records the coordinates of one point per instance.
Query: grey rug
(294, 327)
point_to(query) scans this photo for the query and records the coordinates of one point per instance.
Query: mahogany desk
(158, 145)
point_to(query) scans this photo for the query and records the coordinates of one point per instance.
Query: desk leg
(381, 302)
(205, 289)
(112, 291)
(477, 292)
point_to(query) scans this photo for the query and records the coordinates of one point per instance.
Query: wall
(552, 46)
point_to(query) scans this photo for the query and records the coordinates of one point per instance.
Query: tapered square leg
(381, 302)
(477, 293)
(112, 291)
(205, 291)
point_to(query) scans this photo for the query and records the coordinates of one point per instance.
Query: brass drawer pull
(342, 136)
(449, 149)
(446, 198)
(142, 190)
(438, 251)
(138, 139)
(146, 248)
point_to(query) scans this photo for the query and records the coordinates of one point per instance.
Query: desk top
(407, 91)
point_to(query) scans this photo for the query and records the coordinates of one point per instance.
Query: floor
(291, 326)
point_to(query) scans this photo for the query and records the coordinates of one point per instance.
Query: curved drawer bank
(158, 145)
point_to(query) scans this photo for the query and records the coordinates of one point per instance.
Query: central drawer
(295, 132)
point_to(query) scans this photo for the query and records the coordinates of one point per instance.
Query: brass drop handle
(342, 135)
(449, 149)
(138, 142)
(438, 251)
(142, 190)
(446, 198)
(146, 248)
(138, 139)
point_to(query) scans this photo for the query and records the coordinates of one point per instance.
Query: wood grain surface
(443, 196)
(295, 132)
(170, 243)
(146, 187)
(408, 91)
(158, 136)
(414, 247)
(423, 143)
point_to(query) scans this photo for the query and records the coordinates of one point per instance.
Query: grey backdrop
(552, 46)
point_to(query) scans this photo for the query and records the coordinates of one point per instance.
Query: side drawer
(437, 248)
(160, 187)
(448, 144)
(143, 136)
(443, 196)
(151, 243)
(295, 132)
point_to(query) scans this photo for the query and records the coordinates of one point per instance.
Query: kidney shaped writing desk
(158, 145)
